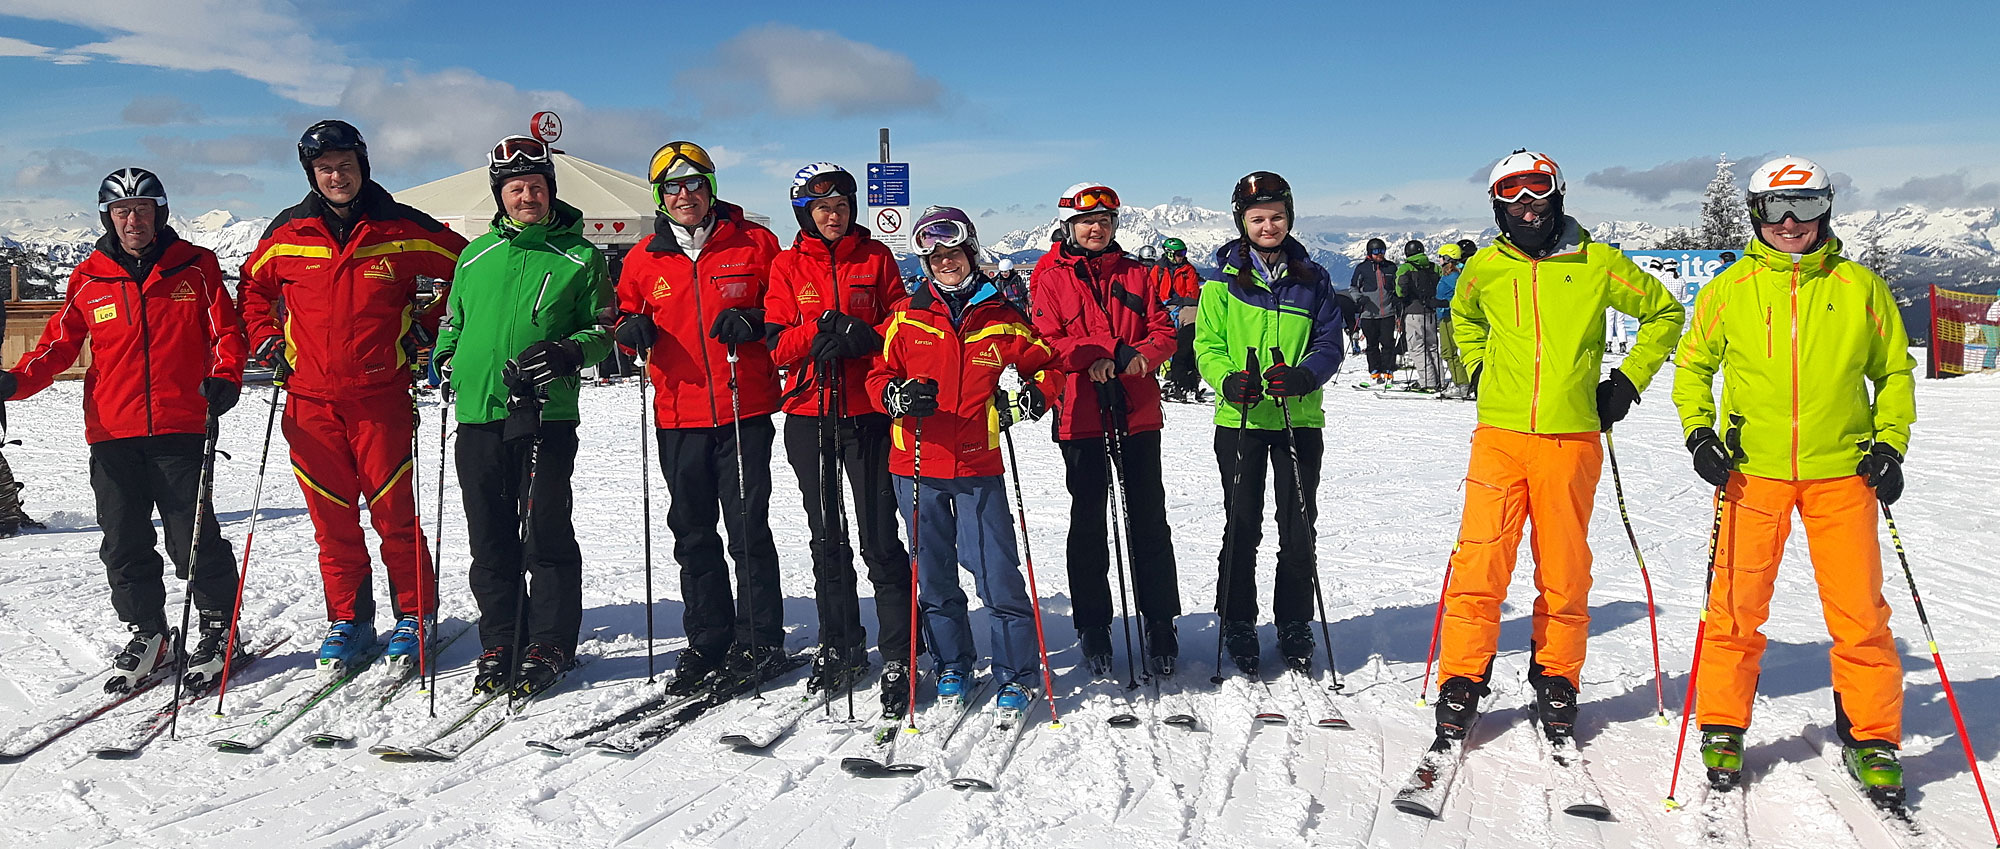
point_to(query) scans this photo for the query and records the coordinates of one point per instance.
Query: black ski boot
(693, 671)
(1555, 708)
(490, 672)
(1241, 640)
(205, 661)
(1295, 642)
(837, 670)
(1163, 648)
(1457, 707)
(895, 688)
(1096, 644)
(541, 668)
(149, 650)
(747, 669)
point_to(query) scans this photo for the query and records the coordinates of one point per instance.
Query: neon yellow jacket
(1535, 328)
(1798, 339)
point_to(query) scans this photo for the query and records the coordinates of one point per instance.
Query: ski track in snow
(1389, 503)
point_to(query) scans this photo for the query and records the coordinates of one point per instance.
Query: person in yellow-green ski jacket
(1800, 335)
(1528, 317)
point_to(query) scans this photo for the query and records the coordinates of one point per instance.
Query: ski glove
(1242, 387)
(1882, 467)
(9, 384)
(270, 351)
(638, 333)
(842, 336)
(1711, 458)
(911, 396)
(417, 343)
(738, 326)
(221, 393)
(1284, 381)
(542, 363)
(1615, 397)
(1024, 406)
(440, 370)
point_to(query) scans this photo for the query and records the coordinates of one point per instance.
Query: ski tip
(1413, 807)
(1589, 811)
(1335, 724)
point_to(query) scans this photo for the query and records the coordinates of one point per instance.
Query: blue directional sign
(889, 184)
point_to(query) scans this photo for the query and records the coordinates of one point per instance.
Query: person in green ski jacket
(527, 311)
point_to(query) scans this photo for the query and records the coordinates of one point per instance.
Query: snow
(1390, 500)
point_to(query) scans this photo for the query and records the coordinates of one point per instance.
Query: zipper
(146, 352)
(1795, 370)
(701, 334)
(1535, 293)
(535, 315)
(833, 268)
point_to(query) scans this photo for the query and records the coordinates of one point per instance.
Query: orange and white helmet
(1084, 199)
(1789, 174)
(1525, 172)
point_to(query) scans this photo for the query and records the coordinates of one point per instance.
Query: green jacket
(513, 289)
(1297, 314)
(1535, 329)
(1798, 340)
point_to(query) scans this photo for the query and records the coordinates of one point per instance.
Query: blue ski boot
(403, 648)
(1013, 699)
(950, 685)
(345, 644)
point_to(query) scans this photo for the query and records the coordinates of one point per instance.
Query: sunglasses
(684, 184)
(939, 234)
(1097, 199)
(517, 149)
(1773, 208)
(1515, 187)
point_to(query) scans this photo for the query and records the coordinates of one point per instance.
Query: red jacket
(151, 344)
(690, 370)
(869, 287)
(1096, 309)
(962, 439)
(345, 306)
(1176, 281)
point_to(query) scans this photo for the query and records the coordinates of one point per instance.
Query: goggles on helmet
(1772, 207)
(1530, 185)
(1262, 187)
(940, 234)
(831, 184)
(517, 149)
(328, 135)
(1094, 199)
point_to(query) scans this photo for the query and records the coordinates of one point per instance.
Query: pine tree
(38, 281)
(1680, 239)
(1873, 255)
(1724, 224)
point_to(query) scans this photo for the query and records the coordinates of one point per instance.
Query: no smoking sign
(892, 227)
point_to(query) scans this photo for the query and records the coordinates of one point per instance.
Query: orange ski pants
(1550, 482)
(1840, 520)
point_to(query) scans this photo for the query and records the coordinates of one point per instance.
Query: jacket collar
(1772, 259)
(563, 220)
(722, 215)
(1574, 240)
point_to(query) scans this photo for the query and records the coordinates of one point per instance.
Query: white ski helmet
(1006, 265)
(1084, 199)
(1790, 174)
(1524, 162)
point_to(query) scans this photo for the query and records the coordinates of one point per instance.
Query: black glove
(1476, 372)
(1711, 457)
(1024, 406)
(417, 345)
(221, 393)
(638, 333)
(543, 362)
(1284, 381)
(1615, 397)
(1242, 387)
(269, 352)
(842, 336)
(738, 326)
(1882, 467)
(911, 396)
(1123, 356)
(9, 384)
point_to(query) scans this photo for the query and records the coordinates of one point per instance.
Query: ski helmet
(1451, 252)
(330, 135)
(1525, 176)
(944, 227)
(1148, 253)
(1413, 248)
(1466, 248)
(677, 160)
(1259, 187)
(1006, 265)
(1377, 246)
(519, 156)
(131, 184)
(1084, 199)
(1794, 187)
(819, 181)
(1173, 244)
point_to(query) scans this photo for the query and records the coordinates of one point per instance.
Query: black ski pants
(1381, 333)
(132, 478)
(700, 465)
(863, 448)
(492, 473)
(1181, 369)
(1243, 523)
(1150, 544)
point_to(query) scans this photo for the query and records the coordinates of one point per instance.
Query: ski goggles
(679, 159)
(940, 234)
(1529, 185)
(1094, 199)
(513, 149)
(823, 186)
(1262, 187)
(685, 184)
(1773, 207)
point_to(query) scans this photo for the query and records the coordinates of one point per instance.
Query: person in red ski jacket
(691, 298)
(1097, 308)
(166, 360)
(1179, 291)
(831, 294)
(329, 299)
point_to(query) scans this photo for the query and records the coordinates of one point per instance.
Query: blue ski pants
(966, 522)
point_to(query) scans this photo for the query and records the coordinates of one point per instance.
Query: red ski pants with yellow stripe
(347, 454)
(1839, 515)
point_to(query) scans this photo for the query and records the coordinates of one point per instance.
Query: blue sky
(1379, 114)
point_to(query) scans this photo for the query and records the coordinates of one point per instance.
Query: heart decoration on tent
(617, 226)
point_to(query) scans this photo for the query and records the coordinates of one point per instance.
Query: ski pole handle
(1250, 360)
(1277, 356)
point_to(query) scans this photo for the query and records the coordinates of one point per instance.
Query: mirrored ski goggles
(1803, 206)
(821, 187)
(1515, 188)
(1096, 199)
(1262, 188)
(514, 149)
(685, 184)
(940, 234)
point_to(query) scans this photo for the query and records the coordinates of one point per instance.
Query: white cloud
(158, 110)
(258, 39)
(17, 47)
(794, 71)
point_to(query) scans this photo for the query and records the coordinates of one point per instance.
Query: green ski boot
(1878, 772)
(1722, 754)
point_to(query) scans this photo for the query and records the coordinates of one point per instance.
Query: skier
(1416, 298)
(831, 293)
(1268, 293)
(691, 296)
(12, 518)
(166, 361)
(524, 318)
(330, 292)
(1098, 309)
(1373, 289)
(939, 377)
(1451, 258)
(1536, 353)
(1013, 286)
(1178, 288)
(1839, 334)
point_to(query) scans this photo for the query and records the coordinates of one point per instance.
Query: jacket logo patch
(184, 292)
(313, 267)
(990, 357)
(661, 288)
(382, 270)
(104, 313)
(808, 292)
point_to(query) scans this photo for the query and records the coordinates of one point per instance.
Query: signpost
(889, 202)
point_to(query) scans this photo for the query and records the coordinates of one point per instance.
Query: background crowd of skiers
(897, 387)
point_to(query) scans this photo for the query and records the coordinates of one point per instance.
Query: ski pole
(1305, 518)
(916, 545)
(646, 495)
(1229, 516)
(1701, 630)
(1437, 626)
(243, 572)
(836, 396)
(1121, 502)
(829, 439)
(527, 508)
(1028, 557)
(203, 488)
(743, 510)
(1117, 535)
(1652, 619)
(1930, 639)
(427, 671)
(417, 527)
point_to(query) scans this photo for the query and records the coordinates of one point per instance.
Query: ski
(773, 717)
(480, 724)
(1897, 822)
(354, 709)
(990, 754)
(79, 706)
(267, 725)
(1176, 708)
(623, 713)
(1268, 711)
(1722, 818)
(1124, 709)
(1428, 785)
(875, 754)
(1318, 703)
(636, 737)
(128, 741)
(1571, 786)
(462, 712)
(924, 747)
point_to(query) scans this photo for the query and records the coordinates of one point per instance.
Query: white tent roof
(617, 207)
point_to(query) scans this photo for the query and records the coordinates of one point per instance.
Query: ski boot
(1722, 755)
(1241, 639)
(345, 643)
(1555, 709)
(206, 661)
(895, 688)
(1163, 648)
(149, 650)
(837, 670)
(491, 670)
(1457, 707)
(1096, 643)
(950, 685)
(403, 650)
(693, 671)
(541, 668)
(747, 669)
(1875, 768)
(1012, 701)
(1295, 642)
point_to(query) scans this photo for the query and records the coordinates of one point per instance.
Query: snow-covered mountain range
(66, 239)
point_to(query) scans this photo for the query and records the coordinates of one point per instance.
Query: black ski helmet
(1377, 246)
(519, 156)
(331, 134)
(1466, 248)
(1413, 248)
(131, 184)
(1260, 187)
